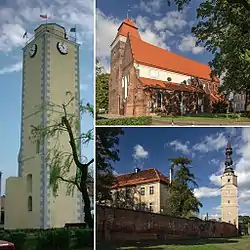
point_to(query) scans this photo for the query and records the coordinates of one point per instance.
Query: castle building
(229, 190)
(50, 71)
(146, 80)
(145, 190)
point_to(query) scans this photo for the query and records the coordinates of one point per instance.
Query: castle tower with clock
(229, 190)
(50, 73)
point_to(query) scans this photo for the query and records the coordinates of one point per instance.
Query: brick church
(146, 80)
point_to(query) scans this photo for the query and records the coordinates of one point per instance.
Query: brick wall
(122, 225)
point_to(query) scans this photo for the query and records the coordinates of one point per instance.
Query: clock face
(32, 50)
(63, 48)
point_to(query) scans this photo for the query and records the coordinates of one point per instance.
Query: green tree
(59, 160)
(223, 29)
(182, 201)
(107, 152)
(102, 88)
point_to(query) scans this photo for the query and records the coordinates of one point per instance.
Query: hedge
(49, 239)
(143, 120)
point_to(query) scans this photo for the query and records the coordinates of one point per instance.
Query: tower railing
(59, 34)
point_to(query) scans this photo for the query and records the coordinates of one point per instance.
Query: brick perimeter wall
(122, 225)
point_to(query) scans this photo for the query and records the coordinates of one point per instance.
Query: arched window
(29, 203)
(29, 183)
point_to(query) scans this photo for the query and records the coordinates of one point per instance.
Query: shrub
(246, 114)
(84, 238)
(54, 239)
(143, 120)
(18, 238)
(220, 107)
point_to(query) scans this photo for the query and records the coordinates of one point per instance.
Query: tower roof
(127, 27)
(228, 160)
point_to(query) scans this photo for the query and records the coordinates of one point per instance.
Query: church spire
(229, 161)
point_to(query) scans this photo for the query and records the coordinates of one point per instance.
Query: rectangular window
(142, 190)
(151, 190)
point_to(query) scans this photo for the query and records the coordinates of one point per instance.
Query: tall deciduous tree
(224, 30)
(107, 140)
(182, 201)
(59, 160)
(102, 88)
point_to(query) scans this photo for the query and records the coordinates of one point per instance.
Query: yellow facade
(47, 77)
(229, 199)
(154, 200)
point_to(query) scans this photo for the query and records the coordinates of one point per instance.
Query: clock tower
(229, 190)
(50, 70)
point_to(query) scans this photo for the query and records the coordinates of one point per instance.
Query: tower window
(30, 204)
(228, 201)
(228, 180)
(37, 146)
(29, 183)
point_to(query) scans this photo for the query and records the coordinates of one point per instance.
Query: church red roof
(150, 55)
(169, 85)
(141, 177)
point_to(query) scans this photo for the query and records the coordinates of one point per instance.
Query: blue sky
(15, 17)
(152, 147)
(158, 24)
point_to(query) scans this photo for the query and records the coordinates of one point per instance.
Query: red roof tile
(150, 55)
(169, 85)
(128, 27)
(141, 177)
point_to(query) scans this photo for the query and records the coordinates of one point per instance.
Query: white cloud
(211, 143)
(24, 14)
(214, 162)
(140, 152)
(179, 146)
(148, 6)
(188, 44)
(106, 30)
(206, 192)
(12, 68)
(174, 20)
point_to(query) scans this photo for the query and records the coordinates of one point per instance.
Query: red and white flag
(44, 16)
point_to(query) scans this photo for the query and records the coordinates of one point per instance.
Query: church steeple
(228, 160)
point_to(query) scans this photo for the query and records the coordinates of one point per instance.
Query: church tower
(116, 59)
(229, 190)
(50, 70)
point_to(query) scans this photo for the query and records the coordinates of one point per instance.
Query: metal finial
(128, 11)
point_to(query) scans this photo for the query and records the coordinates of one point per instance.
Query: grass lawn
(242, 243)
(202, 120)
